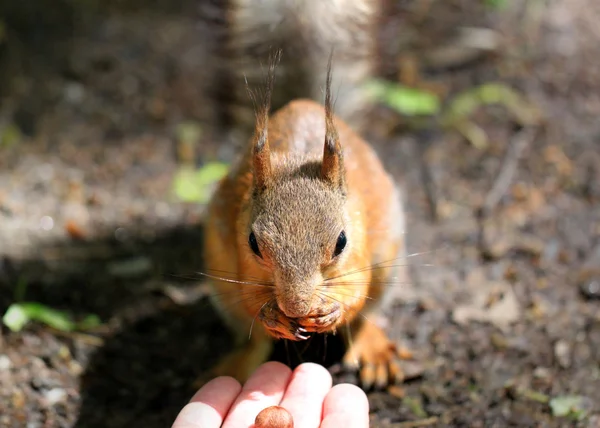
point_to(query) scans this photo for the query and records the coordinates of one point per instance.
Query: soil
(502, 309)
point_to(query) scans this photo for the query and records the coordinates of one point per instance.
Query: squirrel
(298, 233)
(297, 236)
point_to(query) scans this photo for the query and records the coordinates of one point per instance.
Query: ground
(501, 312)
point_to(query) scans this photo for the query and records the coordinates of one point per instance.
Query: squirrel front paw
(280, 326)
(375, 356)
(324, 319)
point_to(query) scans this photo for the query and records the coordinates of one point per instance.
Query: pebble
(590, 289)
(55, 396)
(5, 363)
(74, 92)
(542, 373)
(562, 352)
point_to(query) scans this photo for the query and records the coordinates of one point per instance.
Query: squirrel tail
(306, 31)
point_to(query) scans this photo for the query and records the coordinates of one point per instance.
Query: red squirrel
(298, 233)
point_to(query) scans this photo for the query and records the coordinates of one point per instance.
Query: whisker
(225, 279)
(235, 281)
(248, 299)
(345, 304)
(237, 292)
(356, 283)
(232, 273)
(381, 263)
(259, 298)
(256, 316)
(363, 296)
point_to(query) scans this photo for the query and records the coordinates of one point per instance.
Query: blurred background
(488, 113)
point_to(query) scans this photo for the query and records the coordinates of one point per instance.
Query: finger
(305, 393)
(209, 405)
(345, 406)
(264, 388)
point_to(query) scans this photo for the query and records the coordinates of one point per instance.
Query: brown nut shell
(274, 417)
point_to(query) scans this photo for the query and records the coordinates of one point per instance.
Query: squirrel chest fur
(296, 237)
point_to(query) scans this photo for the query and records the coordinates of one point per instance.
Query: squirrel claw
(281, 327)
(300, 336)
(375, 357)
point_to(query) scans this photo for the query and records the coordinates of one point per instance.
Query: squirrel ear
(261, 157)
(261, 154)
(332, 169)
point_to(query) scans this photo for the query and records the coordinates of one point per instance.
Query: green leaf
(192, 185)
(185, 186)
(467, 102)
(572, 406)
(9, 135)
(496, 4)
(211, 172)
(15, 318)
(19, 314)
(407, 101)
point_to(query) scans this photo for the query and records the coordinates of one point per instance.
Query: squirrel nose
(295, 293)
(294, 303)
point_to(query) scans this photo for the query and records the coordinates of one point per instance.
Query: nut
(274, 417)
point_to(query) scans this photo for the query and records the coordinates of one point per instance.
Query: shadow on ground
(141, 368)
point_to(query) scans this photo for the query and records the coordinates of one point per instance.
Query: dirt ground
(502, 309)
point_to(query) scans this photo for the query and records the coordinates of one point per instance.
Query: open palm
(307, 393)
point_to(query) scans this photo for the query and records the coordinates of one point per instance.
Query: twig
(88, 339)
(507, 171)
(427, 179)
(416, 424)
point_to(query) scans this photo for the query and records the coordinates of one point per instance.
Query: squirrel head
(298, 224)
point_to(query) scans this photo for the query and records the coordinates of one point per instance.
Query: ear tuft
(332, 169)
(261, 154)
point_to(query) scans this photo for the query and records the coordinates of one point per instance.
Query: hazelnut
(274, 417)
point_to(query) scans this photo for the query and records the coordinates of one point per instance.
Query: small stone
(75, 368)
(562, 352)
(64, 353)
(55, 396)
(18, 399)
(499, 341)
(74, 92)
(412, 370)
(590, 289)
(46, 223)
(542, 373)
(5, 363)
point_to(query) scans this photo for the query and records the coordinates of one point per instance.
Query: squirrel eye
(254, 244)
(340, 244)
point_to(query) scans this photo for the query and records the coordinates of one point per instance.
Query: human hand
(306, 393)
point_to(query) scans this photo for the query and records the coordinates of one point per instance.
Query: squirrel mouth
(280, 326)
